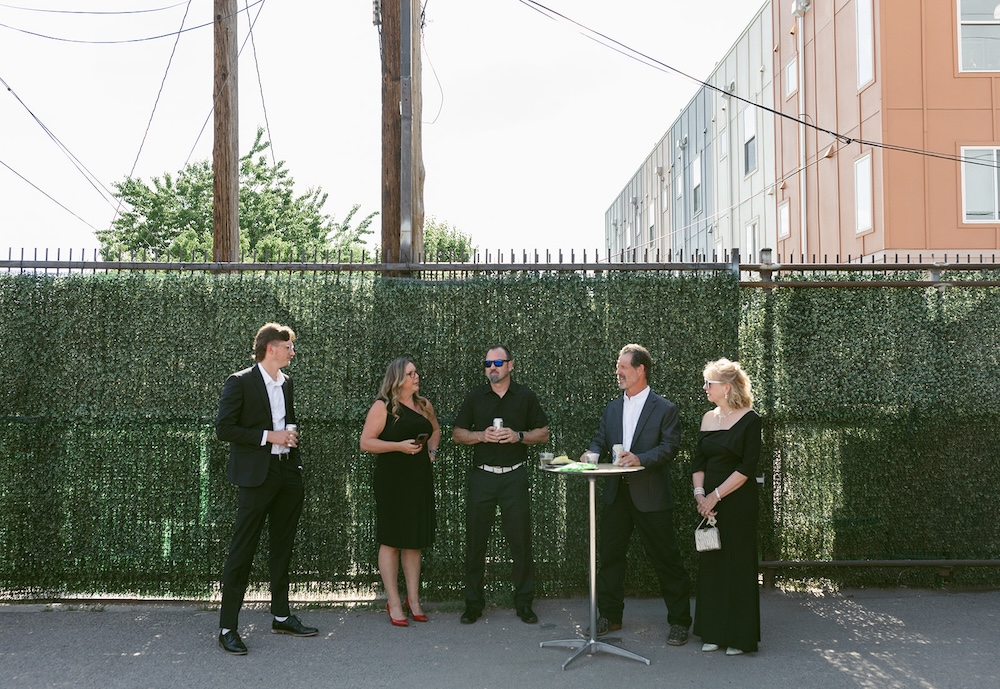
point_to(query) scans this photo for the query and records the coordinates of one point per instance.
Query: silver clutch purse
(707, 537)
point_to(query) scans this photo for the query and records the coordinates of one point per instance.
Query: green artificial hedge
(115, 484)
(879, 406)
(881, 417)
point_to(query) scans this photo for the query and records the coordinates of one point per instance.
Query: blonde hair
(740, 394)
(395, 376)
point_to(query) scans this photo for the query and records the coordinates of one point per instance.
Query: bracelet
(433, 452)
(717, 494)
(699, 491)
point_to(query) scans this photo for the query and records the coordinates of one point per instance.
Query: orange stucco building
(908, 93)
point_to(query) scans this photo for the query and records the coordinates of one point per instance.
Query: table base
(590, 647)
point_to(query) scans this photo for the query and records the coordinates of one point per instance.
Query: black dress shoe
(471, 615)
(292, 626)
(232, 643)
(526, 614)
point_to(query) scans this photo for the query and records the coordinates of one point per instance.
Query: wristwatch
(520, 436)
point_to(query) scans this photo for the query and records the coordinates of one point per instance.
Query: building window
(750, 250)
(980, 181)
(749, 140)
(863, 193)
(979, 35)
(866, 42)
(696, 184)
(723, 143)
(791, 76)
(784, 220)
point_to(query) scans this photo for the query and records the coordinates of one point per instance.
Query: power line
(87, 174)
(47, 195)
(120, 41)
(100, 12)
(149, 124)
(208, 117)
(260, 87)
(649, 61)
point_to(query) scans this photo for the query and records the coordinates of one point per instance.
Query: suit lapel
(647, 411)
(258, 385)
(617, 412)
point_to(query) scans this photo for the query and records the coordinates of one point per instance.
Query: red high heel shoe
(396, 623)
(416, 617)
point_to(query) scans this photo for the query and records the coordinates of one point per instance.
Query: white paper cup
(616, 450)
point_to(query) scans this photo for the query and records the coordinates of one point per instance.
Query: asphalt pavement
(859, 638)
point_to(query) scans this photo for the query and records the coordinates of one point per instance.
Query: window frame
(965, 153)
(749, 139)
(865, 42)
(791, 72)
(697, 197)
(784, 219)
(864, 164)
(962, 24)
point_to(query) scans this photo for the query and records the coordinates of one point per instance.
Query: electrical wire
(260, 86)
(208, 117)
(47, 195)
(91, 178)
(149, 124)
(436, 79)
(649, 61)
(120, 41)
(100, 12)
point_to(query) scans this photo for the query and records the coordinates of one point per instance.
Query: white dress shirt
(631, 410)
(276, 397)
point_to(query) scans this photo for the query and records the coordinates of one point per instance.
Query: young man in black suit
(255, 411)
(646, 425)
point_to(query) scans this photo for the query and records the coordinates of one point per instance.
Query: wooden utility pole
(391, 129)
(225, 152)
(402, 159)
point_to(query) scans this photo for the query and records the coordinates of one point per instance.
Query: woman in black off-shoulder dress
(727, 613)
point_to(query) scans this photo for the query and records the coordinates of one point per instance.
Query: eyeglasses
(290, 346)
(710, 383)
(412, 374)
(495, 362)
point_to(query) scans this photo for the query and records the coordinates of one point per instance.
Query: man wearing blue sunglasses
(500, 419)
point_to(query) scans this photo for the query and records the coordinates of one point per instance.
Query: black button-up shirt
(520, 411)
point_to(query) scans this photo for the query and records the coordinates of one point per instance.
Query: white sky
(539, 127)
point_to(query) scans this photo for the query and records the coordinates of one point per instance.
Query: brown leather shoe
(678, 635)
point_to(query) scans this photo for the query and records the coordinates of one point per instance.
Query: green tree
(173, 215)
(444, 242)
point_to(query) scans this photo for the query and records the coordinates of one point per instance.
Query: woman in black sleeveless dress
(724, 471)
(403, 431)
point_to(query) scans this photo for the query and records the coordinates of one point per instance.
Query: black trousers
(278, 501)
(656, 531)
(509, 492)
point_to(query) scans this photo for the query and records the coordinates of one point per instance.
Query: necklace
(723, 417)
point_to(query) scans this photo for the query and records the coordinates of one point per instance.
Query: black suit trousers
(279, 502)
(656, 531)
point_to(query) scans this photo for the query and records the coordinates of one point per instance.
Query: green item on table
(575, 467)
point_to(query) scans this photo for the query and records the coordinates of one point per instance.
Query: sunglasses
(495, 362)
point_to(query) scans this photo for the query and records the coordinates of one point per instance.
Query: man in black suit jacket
(256, 408)
(646, 425)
